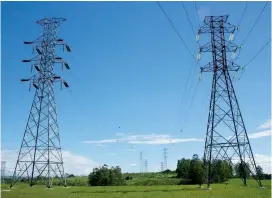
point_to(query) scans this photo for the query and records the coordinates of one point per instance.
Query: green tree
(225, 172)
(259, 171)
(104, 176)
(71, 175)
(196, 170)
(183, 168)
(242, 170)
(221, 171)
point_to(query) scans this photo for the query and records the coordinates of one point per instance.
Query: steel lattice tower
(165, 158)
(40, 154)
(146, 165)
(3, 171)
(141, 162)
(162, 169)
(226, 136)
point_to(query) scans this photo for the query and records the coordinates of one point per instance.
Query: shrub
(104, 176)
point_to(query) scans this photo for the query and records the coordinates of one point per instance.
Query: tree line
(189, 171)
(193, 171)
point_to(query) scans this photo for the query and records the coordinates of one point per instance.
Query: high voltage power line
(191, 101)
(243, 14)
(197, 15)
(254, 57)
(254, 23)
(194, 91)
(176, 30)
(190, 72)
(188, 18)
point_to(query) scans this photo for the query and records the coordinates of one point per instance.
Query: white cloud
(73, 163)
(266, 133)
(100, 145)
(266, 125)
(166, 141)
(260, 134)
(78, 164)
(146, 139)
(100, 141)
(264, 161)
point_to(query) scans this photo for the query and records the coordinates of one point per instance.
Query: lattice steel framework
(146, 165)
(3, 171)
(226, 136)
(40, 157)
(165, 158)
(141, 162)
(162, 169)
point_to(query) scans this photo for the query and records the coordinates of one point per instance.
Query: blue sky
(129, 70)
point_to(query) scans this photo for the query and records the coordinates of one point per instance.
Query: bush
(104, 176)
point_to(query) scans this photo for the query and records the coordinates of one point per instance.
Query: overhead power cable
(198, 21)
(189, 76)
(190, 104)
(176, 30)
(186, 95)
(255, 56)
(243, 14)
(188, 18)
(187, 81)
(255, 23)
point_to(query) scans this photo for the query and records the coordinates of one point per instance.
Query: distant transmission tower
(226, 136)
(3, 171)
(146, 164)
(162, 167)
(165, 158)
(141, 162)
(40, 153)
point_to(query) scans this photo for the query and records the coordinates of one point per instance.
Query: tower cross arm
(207, 68)
(208, 28)
(211, 68)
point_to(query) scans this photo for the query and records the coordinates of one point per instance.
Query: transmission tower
(226, 136)
(146, 164)
(3, 171)
(162, 167)
(165, 158)
(40, 156)
(141, 162)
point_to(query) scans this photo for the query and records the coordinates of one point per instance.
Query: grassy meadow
(233, 189)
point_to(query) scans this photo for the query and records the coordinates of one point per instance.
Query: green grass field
(232, 190)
